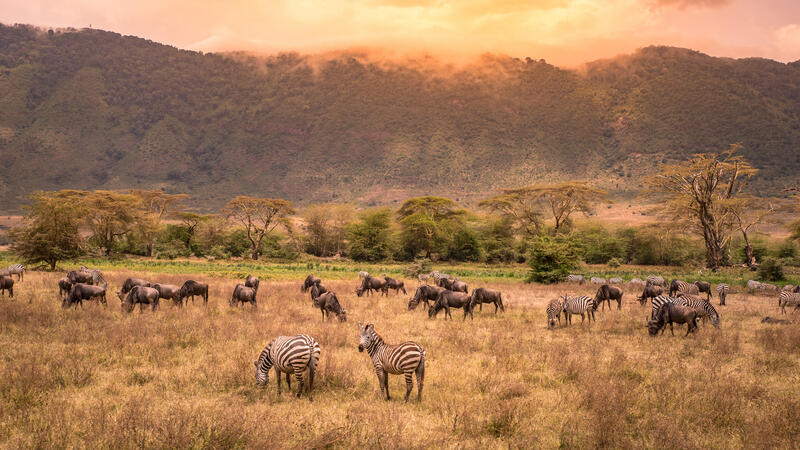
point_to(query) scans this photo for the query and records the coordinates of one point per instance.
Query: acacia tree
(527, 205)
(425, 222)
(156, 205)
(702, 193)
(110, 215)
(748, 213)
(51, 231)
(190, 222)
(259, 216)
(521, 207)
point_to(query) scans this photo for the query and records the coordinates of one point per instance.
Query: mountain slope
(93, 109)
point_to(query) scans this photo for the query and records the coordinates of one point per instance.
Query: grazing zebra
(788, 287)
(656, 280)
(436, 277)
(615, 280)
(423, 278)
(583, 305)
(769, 287)
(554, 309)
(97, 277)
(681, 286)
(576, 279)
(598, 280)
(16, 269)
(289, 355)
(407, 358)
(753, 285)
(722, 290)
(661, 300)
(702, 306)
(789, 299)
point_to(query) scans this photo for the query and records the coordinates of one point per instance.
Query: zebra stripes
(656, 280)
(97, 277)
(660, 301)
(554, 309)
(722, 290)
(702, 306)
(583, 305)
(576, 279)
(289, 355)
(788, 299)
(16, 269)
(407, 358)
(677, 286)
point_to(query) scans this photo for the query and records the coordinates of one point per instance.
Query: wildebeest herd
(300, 354)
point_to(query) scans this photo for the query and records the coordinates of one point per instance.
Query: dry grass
(184, 378)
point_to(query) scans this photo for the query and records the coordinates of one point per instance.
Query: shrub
(614, 263)
(551, 260)
(771, 269)
(787, 249)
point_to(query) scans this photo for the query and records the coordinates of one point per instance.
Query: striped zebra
(702, 306)
(16, 269)
(554, 309)
(598, 280)
(660, 301)
(436, 277)
(576, 279)
(289, 355)
(753, 285)
(615, 280)
(677, 286)
(656, 280)
(362, 274)
(97, 277)
(407, 358)
(788, 299)
(722, 290)
(423, 278)
(583, 305)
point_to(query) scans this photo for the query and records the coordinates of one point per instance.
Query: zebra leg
(386, 384)
(420, 378)
(299, 376)
(288, 381)
(381, 376)
(311, 370)
(409, 384)
(278, 372)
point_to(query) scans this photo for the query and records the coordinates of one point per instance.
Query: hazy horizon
(563, 32)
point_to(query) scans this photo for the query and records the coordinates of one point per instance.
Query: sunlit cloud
(565, 32)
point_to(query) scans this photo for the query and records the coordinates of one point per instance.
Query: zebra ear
(360, 327)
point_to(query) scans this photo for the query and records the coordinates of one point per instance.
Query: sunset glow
(565, 32)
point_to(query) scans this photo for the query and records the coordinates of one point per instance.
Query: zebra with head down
(289, 355)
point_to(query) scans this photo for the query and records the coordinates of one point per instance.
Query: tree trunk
(149, 249)
(748, 252)
(713, 255)
(53, 264)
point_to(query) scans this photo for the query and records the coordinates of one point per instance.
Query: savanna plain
(97, 377)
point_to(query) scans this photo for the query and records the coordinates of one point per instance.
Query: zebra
(598, 280)
(362, 274)
(660, 301)
(423, 278)
(583, 305)
(615, 280)
(789, 299)
(436, 277)
(16, 269)
(722, 290)
(702, 306)
(289, 355)
(655, 279)
(681, 286)
(753, 285)
(407, 358)
(576, 279)
(97, 277)
(554, 309)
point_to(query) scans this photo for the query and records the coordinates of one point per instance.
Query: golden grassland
(97, 377)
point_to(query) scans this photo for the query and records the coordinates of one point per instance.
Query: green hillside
(94, 109)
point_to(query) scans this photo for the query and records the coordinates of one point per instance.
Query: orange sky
(564, 32)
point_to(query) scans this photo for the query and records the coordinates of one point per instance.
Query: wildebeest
(671, 313)
(64, 286)
(130, 283)
(191, 288)
(329, 303)
(362, 274)
(397, 285)
(607, 293)
(371, 283)
(769, 319)
(704, 286)
(424, 294)
(77, 276)
(309, 281)
(169, 292)
(252, 282)
(482, 295)
(81, 292)
(650, 291)
(449, 299)
(243, 294)
(142, 295)
(7, 284)
(317, 289)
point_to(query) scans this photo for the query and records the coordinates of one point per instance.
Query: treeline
(508, 228)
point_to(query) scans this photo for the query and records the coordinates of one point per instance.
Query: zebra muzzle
(360, 348)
